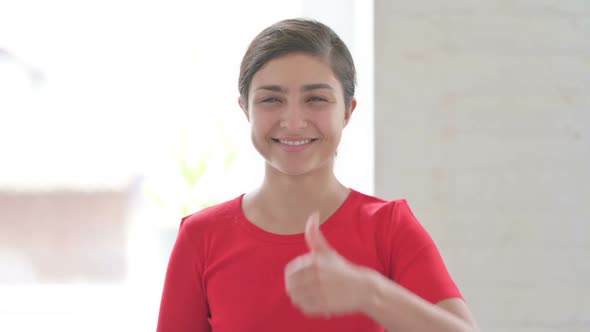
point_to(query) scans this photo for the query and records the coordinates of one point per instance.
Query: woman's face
(296, 111)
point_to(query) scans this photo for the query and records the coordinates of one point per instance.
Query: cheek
(260, 125)
(331, 122)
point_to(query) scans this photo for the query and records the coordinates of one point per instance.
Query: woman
(303, 252)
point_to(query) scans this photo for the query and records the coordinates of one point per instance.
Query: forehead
(295, 70)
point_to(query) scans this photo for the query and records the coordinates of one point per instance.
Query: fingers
(299, 263)
(300, 273)
(310, 304)
(313, 235)
(304, 293)
(306, 276)
(303, 285)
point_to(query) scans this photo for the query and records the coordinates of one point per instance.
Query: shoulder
(383, 210)
(393, 221)
(200, 231)
(213, 217)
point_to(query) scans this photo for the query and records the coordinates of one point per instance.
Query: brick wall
(483, 123)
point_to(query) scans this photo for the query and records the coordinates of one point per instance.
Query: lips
(294, 144)
(300, 142)
(294, 141)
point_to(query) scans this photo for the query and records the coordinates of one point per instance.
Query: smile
(294, 142)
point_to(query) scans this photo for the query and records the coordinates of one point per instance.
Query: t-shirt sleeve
(415, 261)
(183, 307)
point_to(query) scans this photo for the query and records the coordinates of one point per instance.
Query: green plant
(195, 164)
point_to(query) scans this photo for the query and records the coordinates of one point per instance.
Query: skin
(309, 105)
(297, 99)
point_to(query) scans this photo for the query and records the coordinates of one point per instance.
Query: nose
(293, 117)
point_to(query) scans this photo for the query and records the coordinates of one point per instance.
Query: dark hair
(293, 36)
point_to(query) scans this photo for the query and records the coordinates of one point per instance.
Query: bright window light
(99, 96)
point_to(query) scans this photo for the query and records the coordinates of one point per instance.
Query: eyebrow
(316, 86)
(305, 88)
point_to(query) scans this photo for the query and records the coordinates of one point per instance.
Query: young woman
(303, 252)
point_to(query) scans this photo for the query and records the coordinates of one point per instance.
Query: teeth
(295, 142)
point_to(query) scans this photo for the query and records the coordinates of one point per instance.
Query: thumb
(314, 237)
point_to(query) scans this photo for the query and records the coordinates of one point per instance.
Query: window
(101, 103)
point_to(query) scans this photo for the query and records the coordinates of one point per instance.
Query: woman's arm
(397, 309)
(323, 283)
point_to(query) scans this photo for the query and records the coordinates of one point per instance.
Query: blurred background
(117, 118)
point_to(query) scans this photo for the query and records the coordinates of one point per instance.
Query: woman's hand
(323, 283)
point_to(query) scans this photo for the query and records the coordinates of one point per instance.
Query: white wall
(483, 123)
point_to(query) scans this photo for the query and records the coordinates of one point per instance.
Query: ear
(243, 107)
(349, 111)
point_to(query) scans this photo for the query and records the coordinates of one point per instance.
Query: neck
(286, 201)
(304, 191)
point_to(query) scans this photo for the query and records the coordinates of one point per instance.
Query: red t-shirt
(227, 275)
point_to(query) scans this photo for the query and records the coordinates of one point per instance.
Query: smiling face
(297, 112)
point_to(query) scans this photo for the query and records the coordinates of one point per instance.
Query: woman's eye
(316, 98)
(270, 100)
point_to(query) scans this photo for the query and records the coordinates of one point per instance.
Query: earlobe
(244, 109)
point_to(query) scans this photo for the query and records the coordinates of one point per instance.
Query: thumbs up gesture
(322, 282)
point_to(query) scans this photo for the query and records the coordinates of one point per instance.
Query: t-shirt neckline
(261, 234)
